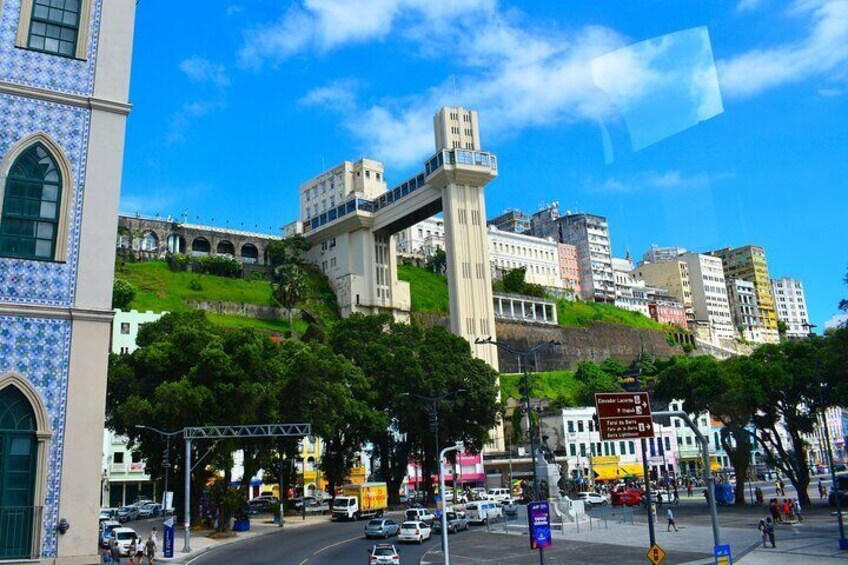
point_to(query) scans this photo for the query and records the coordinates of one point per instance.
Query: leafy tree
(289, 281)
(723, 389)
(594, 379)
(287, 251)
(843, 304)
(123, 292)
(438, 262)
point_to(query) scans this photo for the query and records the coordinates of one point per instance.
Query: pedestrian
(115, 548)
(770, 531)
(797, 505)
(676, 495)
(758, 493)
(774, 510)
(155, 535)
(762, 527)
(787, 511)
(150, 549)
(133, 550)
(106, 556)
(671, 523)
(822, 490)
(689, 488)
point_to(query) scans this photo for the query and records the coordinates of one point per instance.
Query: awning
(631, 469)
(606, 472)
(715, 465)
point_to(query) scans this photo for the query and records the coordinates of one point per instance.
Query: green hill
(160, 289)
(553, 385)
(429, 291)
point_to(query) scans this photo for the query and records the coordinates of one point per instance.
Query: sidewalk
(201, 542)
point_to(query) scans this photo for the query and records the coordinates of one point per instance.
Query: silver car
(381, 528)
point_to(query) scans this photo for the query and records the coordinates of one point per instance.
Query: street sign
(168, 539)
(656, 554)
(539, 517)
(624, 415)
(722, 555)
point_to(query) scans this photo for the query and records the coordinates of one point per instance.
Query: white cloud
(339, 96)
(837, 321)
(824, 50)
(748, 5)
(183, 118)
(234, 9)
(657, 181)
(829, 92)
(201, 70)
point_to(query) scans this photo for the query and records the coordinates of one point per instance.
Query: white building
(540, 258)
(791, 305)
(709, 294)
(688, 449)
(125, 328)
(657, 254)
(742, 296)
(631, 292)
(590, 234)
(423, 239)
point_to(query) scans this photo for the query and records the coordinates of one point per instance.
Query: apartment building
(512, 220)
(749, 263)
(539, 257)
(569, 267)
(589, 233)
(423, 239)
(791, 305)
(746, 313)
(709, 295)
(657, 254)
(630, 291)
(673, 276)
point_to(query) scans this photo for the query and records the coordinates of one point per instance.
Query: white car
(419, 515)
(123, 537)
(593, 498)
(414, 531)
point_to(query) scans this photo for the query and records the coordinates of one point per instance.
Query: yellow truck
(365, 500)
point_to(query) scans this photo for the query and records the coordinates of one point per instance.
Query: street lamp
(843, 543)
(524, 355)
(433, 413)
(457, 447)
(166, 459)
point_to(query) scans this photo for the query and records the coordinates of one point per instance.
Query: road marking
(323, 549)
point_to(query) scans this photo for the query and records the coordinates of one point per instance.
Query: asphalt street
(336, 543)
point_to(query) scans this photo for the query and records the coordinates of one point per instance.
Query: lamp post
(843, 543)
(166, 459)
(524, 355)
(458, 447)
(433, 413)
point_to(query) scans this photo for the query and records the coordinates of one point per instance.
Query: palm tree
(289, 280)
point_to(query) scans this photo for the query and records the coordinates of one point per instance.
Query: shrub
(217, 265)
(123, 292)
(178, 261)
(194, 284)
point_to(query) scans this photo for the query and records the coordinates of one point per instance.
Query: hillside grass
(428, 291)
(553, 385)
(159, 289)
(582, 314)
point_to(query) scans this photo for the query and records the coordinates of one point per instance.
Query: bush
(194, 284)
(123, 292)
(217, 265)
(178, 262)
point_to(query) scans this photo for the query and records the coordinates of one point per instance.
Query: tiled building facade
(63, 107)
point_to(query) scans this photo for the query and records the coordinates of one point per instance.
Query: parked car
(593, 498)
(127, 513)
(482, 511)
(150, 510)
(107, 514)
(106, 528)
(457, 522)
(381, 528)
(477, 493)
(383, 554)
(420, 515)
(626, 498)
(414, 531)
(498, 494)
(123, 537)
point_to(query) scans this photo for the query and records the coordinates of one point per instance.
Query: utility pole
(651, 533)
(524, 357)
(166, 459)
(458, 447)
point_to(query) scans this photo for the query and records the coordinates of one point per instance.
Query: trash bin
(241, 525)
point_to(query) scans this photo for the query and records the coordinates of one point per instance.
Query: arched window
(149, 242)
(176, 244)
(18, 457)
(249, 253)
(31, 206)
(200, 246)
(226, 248)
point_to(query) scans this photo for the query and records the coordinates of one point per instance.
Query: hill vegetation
(552, 385)
(428, 290)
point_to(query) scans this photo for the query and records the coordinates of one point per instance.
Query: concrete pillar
(545, 313)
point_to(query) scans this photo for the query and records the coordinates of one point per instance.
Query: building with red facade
(569, 268)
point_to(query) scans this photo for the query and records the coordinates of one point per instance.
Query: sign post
(627, 415)
(168, 538)
(722, 555)
(539, 517)
(656, 554)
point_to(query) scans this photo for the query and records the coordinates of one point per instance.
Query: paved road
(336, 543)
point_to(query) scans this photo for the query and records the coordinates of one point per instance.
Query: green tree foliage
(513, 281)
(123, 292)
(438, 262)
(594, 379)
(288, 250)
(289, 281)
(404, 359)
(723, 389)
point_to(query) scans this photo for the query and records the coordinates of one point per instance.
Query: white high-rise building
(791, 305)
(742, 296)
(631, 292)
(709, 294)
(657, 254)
(456, 128)
(590, 234)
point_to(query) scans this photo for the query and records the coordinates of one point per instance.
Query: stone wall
(595, 343)
(246, 310)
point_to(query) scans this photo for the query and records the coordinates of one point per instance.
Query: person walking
(770, 531)
(133, 550)
(787, 512)
(150, 549)
(797, 506)
(762, 527)
(758, 493)
(115, 549)
(822, 490)
(671, 523)
(689, 488)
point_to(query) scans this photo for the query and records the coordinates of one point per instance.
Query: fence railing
(18, 525)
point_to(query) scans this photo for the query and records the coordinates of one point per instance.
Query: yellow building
(748, 263)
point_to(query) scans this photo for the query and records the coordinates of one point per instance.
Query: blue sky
(700, 124)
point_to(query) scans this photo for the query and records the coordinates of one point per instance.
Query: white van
(499, 494)
(481, 511)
